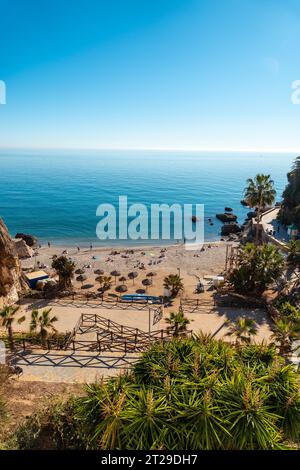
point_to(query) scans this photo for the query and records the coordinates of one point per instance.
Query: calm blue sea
(54, 195)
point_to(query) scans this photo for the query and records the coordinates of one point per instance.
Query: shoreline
(124, 248)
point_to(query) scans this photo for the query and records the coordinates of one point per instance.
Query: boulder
(228, 209)
(30, 240)
(22, 249)
(226, 217)
(244, 203)
(230, 228)
(12, 279)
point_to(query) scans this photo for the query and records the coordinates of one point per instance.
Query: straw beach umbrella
(115, 273)
(146, 283)
(121, 288)
(151, 274)
(132, 276)
(81, 278)
(123, 279)
(79, 271)
(100, 272)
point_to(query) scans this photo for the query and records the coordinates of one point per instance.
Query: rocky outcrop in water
(231, 228)
(30, 240)
(12, 280)
(226, 217)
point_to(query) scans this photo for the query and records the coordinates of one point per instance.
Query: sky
(150, 74)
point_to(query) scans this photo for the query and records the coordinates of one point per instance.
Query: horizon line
(155, 149)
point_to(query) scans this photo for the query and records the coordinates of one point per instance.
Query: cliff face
(290, 210)
(11, 278)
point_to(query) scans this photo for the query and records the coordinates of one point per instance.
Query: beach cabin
(34, 277)
(293, 231)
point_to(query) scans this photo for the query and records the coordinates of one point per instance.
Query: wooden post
(125, 346)
(74, 348)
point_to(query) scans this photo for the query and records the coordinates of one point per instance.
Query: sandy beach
(175, 259)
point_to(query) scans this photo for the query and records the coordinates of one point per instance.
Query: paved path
(69, 367)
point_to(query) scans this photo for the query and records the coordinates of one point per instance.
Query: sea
(54, 194)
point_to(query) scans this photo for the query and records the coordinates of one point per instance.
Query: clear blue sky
(186, 74)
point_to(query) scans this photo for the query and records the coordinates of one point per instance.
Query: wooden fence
(93, 300)
(109, 336)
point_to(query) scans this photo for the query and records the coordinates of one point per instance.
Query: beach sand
(175, 259)
(83, 366)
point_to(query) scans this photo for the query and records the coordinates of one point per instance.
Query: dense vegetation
(186, 394)
(290, 210)
(258, 266)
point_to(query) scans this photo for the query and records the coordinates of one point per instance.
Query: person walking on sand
(91, 247)
(78, 249)
(49, 245)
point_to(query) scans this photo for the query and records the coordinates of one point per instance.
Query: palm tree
(285, 333)
(64, 268)
(177, 323)
(243, 330)
(259, 194)
(174, 283)
(8, 315)
(44, 323)
(257, 268)
(105, 282)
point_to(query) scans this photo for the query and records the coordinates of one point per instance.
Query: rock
(228, 209)
(230, 228)
(227, 217)
(251, 215)
(30, 240)
(244, 203)
(12, 279)
(23, 250)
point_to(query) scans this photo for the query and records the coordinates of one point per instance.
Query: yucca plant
(199, 421)
(253, 423)
(145, 417)
(193, 394)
